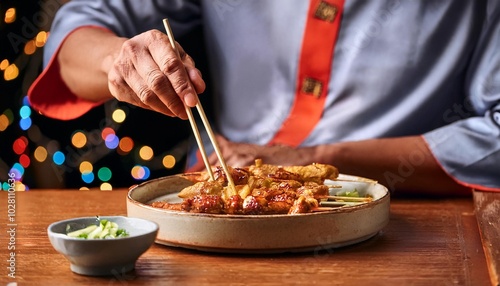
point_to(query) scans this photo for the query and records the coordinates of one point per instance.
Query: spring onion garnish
(105, 230)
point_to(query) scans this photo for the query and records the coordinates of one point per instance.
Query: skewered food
(259, 189)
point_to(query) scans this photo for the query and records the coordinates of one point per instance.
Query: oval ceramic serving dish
(261, 233)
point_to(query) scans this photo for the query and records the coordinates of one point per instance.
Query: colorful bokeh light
(58, 158)
(20, 145)
(86, 167)
(79, 139)
(18, 171)
(106, 132)
(40, 154)
(104, 174)
(106, 187)
(168, 161)
(146, 153)
(140, 172)
(25, 123)
(118, 115)
(88, 177)
(24, 160)
(112, 141)
(126, 145)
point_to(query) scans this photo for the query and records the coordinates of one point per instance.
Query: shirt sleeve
(126, 18)
(468, 149)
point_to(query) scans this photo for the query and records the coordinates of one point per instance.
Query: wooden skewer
(352, 199)
(205, 123)
(333, 186)
(338, 204)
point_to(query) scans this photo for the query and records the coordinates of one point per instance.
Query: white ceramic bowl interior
(101, 257)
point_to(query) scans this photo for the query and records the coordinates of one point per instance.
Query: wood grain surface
(427, 242)
(487, 206)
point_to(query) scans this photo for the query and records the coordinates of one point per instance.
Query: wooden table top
(427, 242)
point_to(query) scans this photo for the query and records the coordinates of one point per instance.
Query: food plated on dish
(263, 189)
(279, 209)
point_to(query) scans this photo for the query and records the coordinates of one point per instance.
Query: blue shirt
(400, 68)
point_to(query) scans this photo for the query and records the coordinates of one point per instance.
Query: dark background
(163, 134)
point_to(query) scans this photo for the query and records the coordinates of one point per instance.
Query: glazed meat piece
(303, 205)
(239, 175)
(315, 190)
(274, 172)
(211, 204)
(311, 173)
(201, 188)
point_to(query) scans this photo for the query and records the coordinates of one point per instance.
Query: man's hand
(244, 154)
(145, 70)
(148, 73)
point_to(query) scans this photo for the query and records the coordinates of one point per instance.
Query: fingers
(173, 68)
(193, 73)
(148, 73)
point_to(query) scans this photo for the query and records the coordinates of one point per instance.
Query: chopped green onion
(106, 229)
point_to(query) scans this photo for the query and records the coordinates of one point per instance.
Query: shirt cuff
(51, 97)
(441, 147)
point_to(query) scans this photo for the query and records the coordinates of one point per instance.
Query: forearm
(85, 58)
(404, 165)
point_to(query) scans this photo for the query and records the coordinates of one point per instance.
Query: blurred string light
(140, 172)
(34, 146)
(169, 161)
(79, 139)
(146, 153)
(10, 15)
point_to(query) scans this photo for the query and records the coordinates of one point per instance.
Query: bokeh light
(104, 174)
(58, 158)
(88, 177)
(85, 167)
(168, 161)
(30, 47)
(10, 15)
(24, 160)
(20, 145)
(4, 122)
(40, 154)
(11, 72)
(41, 38)
(79, 139)
(25, 111)
(4, 64)
(106, 132)
(20, 187)
(112, 141)
(119, 115)
(140, 172)
(25, 123)
(146, 153)
(106, 187)
(126, 145)
(18, 171)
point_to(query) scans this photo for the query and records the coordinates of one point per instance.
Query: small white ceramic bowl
(102, 257)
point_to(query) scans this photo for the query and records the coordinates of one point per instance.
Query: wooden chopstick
(205, 123)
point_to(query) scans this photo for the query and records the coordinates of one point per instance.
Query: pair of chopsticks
(205, 123)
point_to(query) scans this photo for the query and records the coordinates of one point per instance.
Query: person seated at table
(404, 92)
